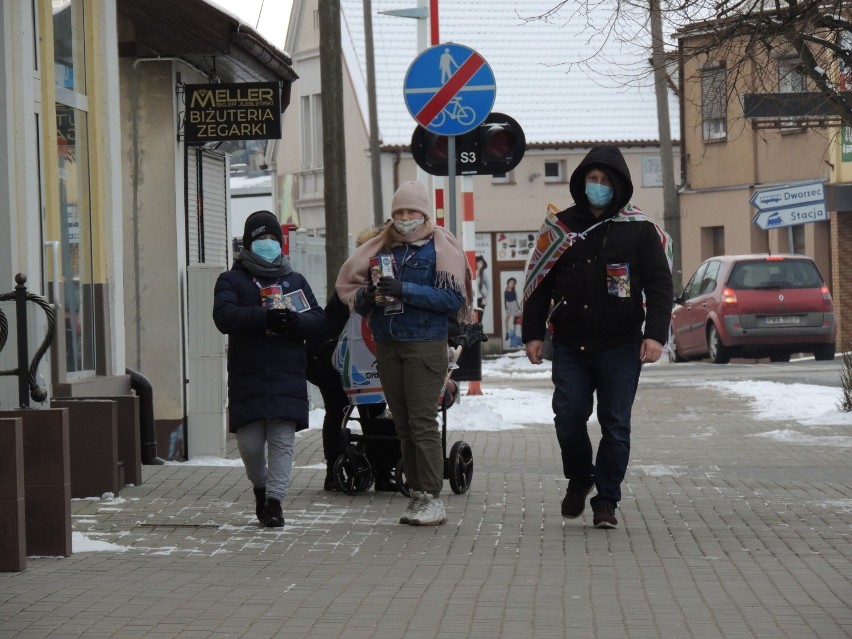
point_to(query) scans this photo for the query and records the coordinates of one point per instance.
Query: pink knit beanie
(411, 195)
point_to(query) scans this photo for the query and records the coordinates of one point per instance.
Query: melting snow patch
(795, 437)
(207, 461)
(81, 543)
(661, 470)
(807, 404)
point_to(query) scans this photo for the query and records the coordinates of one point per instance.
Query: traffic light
(501, 144)
(430, 151)
(494, 147)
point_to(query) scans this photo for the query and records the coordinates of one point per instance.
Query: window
(503, 178)
(708, 282)
(694, 284)
(798, 232)
(311, 106)
(714, 102)
(652, 171)
(554, 171)
(74, 226)
(790, 80)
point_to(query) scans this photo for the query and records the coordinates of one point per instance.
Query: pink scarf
(453, 271)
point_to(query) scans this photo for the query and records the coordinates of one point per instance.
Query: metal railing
(28, 387)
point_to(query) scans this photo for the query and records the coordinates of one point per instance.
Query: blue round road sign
(449, 89)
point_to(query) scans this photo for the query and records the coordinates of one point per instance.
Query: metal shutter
(206, 207)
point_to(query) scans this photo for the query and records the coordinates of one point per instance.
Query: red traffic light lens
(438, 149)
(498, 146)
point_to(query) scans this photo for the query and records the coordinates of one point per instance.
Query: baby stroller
(353, 473)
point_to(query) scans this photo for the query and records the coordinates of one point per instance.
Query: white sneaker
(431, 512)
(412, 508)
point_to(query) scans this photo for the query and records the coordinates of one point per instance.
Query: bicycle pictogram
(454, 110)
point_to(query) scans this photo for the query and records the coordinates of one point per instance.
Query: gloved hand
(390, 286)
(370, 293)
(283, 321)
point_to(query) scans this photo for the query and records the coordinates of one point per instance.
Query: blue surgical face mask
(268, 250)
(600, 195)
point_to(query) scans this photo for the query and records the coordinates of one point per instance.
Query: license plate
(782, 319)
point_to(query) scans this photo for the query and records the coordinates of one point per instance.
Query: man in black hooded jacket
(604, 286)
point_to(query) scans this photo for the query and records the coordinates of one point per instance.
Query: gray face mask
(407, 227)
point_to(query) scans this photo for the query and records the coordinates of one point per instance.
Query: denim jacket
(425, 307)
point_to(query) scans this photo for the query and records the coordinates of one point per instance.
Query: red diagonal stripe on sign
(447, 92)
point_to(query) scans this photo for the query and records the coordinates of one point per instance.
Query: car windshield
(778, 273)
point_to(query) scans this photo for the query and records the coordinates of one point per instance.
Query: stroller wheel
(460, 468)
(399, 477)
(352, 472)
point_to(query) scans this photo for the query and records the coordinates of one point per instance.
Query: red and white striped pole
(469, 245)
(440, 208)
(437, 182)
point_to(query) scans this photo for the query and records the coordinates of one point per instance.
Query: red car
(753, 306)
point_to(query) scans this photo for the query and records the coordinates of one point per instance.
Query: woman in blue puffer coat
(267, 310)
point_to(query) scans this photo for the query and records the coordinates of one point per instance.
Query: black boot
(272, 515)
(330, 485)
(259, 502)
(385, 480)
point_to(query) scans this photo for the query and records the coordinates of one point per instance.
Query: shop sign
(244, 111)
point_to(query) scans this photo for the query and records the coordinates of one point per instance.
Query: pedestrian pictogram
(449, 89)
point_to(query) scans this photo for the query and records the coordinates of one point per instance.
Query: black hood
(608, 158)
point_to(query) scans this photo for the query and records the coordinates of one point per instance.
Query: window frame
(714, 103)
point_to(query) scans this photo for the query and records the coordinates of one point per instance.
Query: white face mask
(407, 227)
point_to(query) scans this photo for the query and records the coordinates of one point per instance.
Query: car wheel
(718, 351)
(674, 355)
(779, 357)
(824, 352)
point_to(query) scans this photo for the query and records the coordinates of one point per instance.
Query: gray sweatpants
(276, 435)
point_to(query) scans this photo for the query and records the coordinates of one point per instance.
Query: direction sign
(791, 204)
(790, 217)
(449, 89)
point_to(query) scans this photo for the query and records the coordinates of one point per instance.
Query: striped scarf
(554, 238)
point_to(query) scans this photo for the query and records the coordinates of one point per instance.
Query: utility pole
(671, 209)
(333, 147)
(375, 158)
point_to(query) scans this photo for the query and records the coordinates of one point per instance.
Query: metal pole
(23, 356)
(375, 158)
(671, 212)
(451, 179)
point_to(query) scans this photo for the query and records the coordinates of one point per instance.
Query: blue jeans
(614, 375)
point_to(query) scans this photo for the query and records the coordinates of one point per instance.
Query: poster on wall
(484, 292)
(511, 285)
(514, 246)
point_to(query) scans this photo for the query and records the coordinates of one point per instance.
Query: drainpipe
(142, 387)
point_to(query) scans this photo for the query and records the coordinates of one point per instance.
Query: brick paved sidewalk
(723, 534)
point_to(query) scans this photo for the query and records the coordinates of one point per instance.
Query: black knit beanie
(260, 223)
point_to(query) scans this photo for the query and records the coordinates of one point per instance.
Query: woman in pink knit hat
(426, 279)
